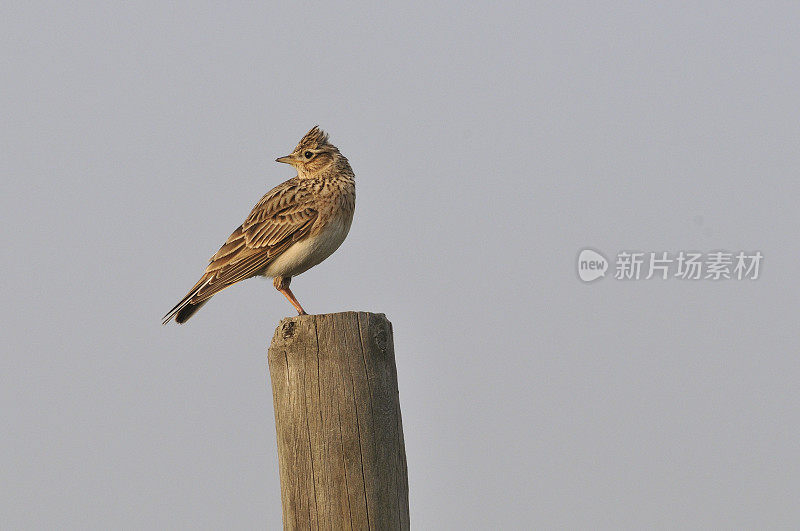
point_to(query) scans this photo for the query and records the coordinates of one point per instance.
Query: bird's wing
(282, 217)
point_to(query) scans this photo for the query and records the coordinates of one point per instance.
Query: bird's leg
(282, 284)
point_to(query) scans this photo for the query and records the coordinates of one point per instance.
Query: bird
(292, 228)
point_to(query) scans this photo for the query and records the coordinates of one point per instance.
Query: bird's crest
(314, 138)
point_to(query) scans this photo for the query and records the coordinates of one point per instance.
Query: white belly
(309, 252)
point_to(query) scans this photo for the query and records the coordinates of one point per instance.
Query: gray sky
(490, 143)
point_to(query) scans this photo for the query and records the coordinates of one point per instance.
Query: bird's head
(314, 155)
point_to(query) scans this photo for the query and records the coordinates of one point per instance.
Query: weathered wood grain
(341, 452)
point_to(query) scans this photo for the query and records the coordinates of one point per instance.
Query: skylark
(294, 227)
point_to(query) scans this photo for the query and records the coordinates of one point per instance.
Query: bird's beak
(288, 159)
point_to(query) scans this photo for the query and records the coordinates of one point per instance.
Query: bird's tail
(187, 307)
(187, 311)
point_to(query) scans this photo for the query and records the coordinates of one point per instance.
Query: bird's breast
(313, 249)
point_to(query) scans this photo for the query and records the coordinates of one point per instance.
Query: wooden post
(341, 453)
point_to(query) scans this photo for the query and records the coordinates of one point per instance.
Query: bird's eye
(308, 154)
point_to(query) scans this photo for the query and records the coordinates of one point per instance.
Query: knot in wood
(288, 329)
(381, 338)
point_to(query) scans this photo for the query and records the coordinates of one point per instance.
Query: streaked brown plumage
(294, 227)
